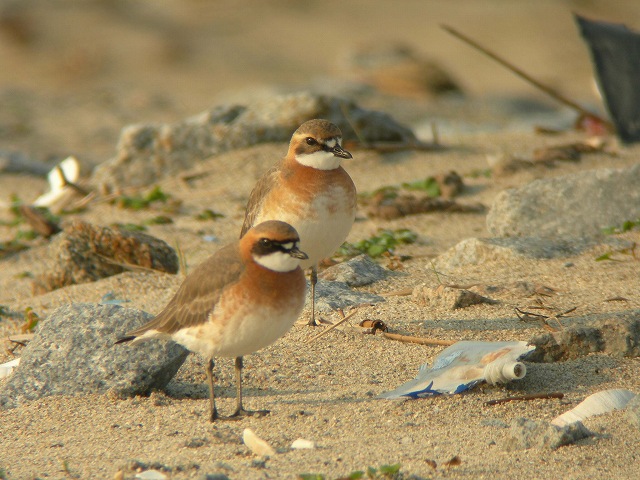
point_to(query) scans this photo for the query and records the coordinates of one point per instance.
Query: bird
(310, 190)
(241, 299)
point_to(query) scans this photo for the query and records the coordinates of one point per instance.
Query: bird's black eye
(265, 242)
(311, 141)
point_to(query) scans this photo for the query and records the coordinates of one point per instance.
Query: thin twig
(403, 292)
(327, 330)
(546, 89)
(67, 183)
(419, 340)
(533, 396)
(126, 266)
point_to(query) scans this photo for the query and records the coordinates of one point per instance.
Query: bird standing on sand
(241, 299)
(311, 191)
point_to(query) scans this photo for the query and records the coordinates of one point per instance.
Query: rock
(19, 162)
(397, 69)
(617, 335)
(331, 296)
(73, 353)
(477, 251)
(447, 297)
(356, 272)
(633, 411)
(85, 253)
(578, 205)
(525, 434)
(147, 153)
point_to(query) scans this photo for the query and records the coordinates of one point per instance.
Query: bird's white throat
(277, 261)
(320, 160)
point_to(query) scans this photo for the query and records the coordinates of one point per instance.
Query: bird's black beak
(338, 151)
(295, 252)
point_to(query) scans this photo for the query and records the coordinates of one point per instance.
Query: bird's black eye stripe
(311, 141)
(265, 246)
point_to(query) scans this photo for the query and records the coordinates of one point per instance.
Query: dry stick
(533, 396)
(126, 266)
(419, 340)
(332, 326)
(546, 89)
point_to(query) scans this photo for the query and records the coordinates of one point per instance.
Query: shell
(301, 443)
(257, 445)
(6, 369)
(601, 402)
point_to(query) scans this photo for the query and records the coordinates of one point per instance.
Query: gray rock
(331, 296)
(12, 162)
(633, 411)
(147, 153)
(73, 353)
(447, 297)
(476, 251)
(396, 68)
(84, 253)
(525, 434)
(617, 335)
(356, 272)
(578, 205)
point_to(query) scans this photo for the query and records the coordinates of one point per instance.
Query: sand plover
(311, 191)
(241, 299)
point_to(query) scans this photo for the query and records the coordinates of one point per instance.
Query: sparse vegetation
(208, 214)
(135, 202)
(131, 227)
(378, 245)
(628, 253)
(625, 227)
(389, 472)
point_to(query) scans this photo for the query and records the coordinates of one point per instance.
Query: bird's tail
(128, 338)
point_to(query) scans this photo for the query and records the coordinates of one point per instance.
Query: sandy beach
(78, 72)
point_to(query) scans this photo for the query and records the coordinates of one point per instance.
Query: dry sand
(320, 391)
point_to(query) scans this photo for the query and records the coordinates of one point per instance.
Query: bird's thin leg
(313, 279)
(240, 411)
(212, 399)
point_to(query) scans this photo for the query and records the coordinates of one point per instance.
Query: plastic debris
(602, 402)
(66, 172)
(6, 369)
(302, 444)
(111, 299)
(257, 445)
(463, 365)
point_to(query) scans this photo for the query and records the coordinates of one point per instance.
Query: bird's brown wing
(199, 293)
(266, 183)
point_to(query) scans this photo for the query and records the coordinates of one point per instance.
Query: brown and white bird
(310, 190)
(241, 299)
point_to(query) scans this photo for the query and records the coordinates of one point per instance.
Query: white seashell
(301, 443)
(601, 402)
(6, 369)
(66, 171)
(256, 444)
(151, 475)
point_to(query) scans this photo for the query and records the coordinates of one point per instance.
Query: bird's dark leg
(313, 279)
(212, 399)
(240, 411)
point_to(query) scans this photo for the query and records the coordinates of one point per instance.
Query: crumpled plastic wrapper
(463, 365)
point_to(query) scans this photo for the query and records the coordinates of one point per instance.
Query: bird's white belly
(323, 225)
(247, 331)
